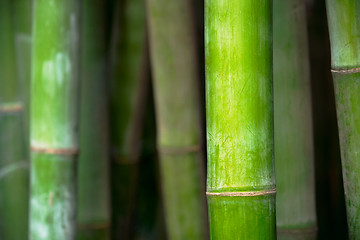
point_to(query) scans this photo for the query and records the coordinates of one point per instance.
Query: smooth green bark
(54, 119)
(239, 114)
(174, 68)
(344, 30)
(129, 81)
(294, 151)
(93, 212)
(14, 177)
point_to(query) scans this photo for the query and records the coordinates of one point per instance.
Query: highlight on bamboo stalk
(54, 119)
(239, 113)
(128, 88)
(294, 151)
(344, 30)
(93, 211)
(14, 166)
(175, 79)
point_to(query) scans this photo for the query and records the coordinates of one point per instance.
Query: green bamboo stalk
(344, 29)
(175, 75)
(54, 119)
(23, 15)
(129, 82)
(14, 177)
(294, 152)
(93, 173)
(239, 109)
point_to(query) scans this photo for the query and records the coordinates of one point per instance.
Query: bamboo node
(346, 71)
(56, 151)
(11, 107)
(179, 150)
(242, 194)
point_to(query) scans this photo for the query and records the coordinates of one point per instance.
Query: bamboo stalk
(294, 152)
(54, 119)
(93, 171)
(14, 177)
(175, 79)
(23, 36)
(129, 66)
(344, 28)
(238, 58)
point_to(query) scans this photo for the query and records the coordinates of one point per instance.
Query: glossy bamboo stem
(14, 177)
(54, 119)
(344, 30)
(239, 109)
(93, 212)
(294, 151)
(174, 68)
(129, 82)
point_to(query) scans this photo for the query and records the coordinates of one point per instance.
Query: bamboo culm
(239, 114)
(344, 29)
(129, 83)
(294, 152)
(93, 212)
(54, 119)
(175, 81)
(14, 173)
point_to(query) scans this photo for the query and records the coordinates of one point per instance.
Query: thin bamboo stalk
(175, 79)
(93, 212)
(14, 177)
(344, 29)
(129, 82)
(294, 152)
(23, 15)
(54, 119)
(238, 58)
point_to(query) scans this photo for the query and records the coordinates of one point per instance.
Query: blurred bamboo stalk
(14, 177)
(129, 83)
(23, 39)
(54, 119)
(175, 78)
(239, 114)
(93, 201)
(344, 29)
(294, 152)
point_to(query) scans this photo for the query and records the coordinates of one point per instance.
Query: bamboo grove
(179, 120)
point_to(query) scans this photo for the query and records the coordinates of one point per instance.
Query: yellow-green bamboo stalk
(14, 177)
(54, 119)
(174, 67)
(344, 29)
(129, 82)
(294, 151)
(93, 211)
(239, 114)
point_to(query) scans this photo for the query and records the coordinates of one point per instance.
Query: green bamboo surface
(344, 30)
(294, 151)
(129, 80)
(239, 114)
(175, 78)
(14, 177)
(22, 19)
(93, 212)
(54, 119)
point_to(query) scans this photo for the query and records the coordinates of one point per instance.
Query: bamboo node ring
(310, 230)
(11, 107)
(56, 151)
(346, 71)
(242, 194)
(179, 150)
